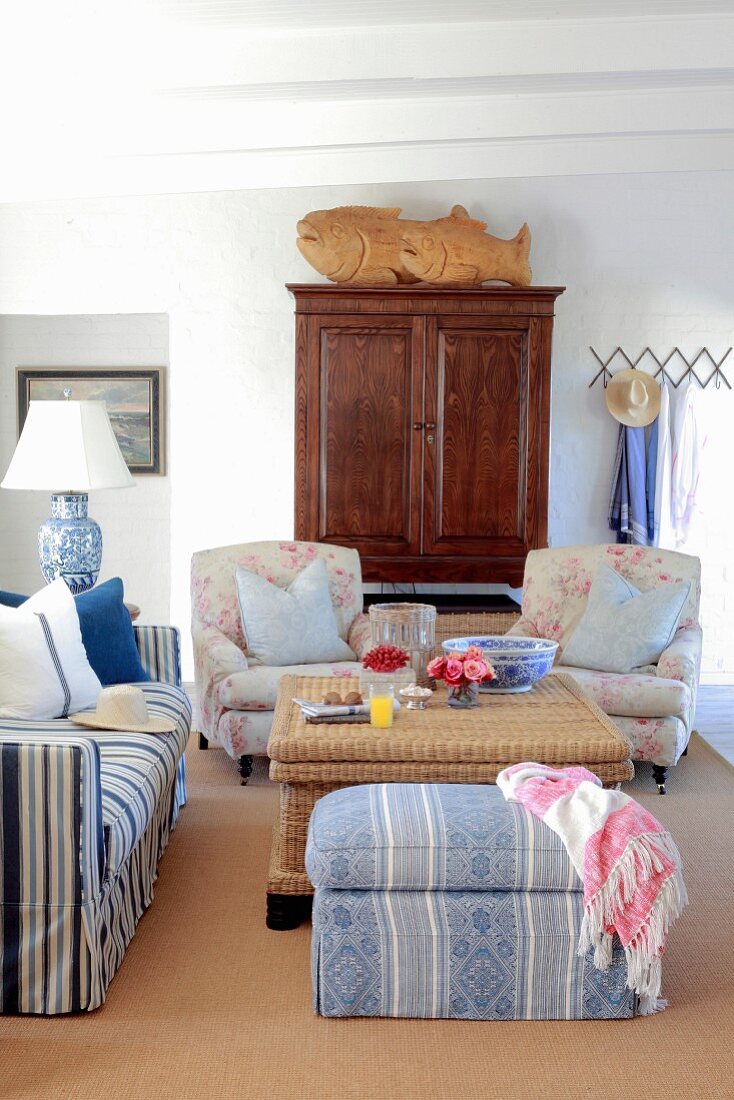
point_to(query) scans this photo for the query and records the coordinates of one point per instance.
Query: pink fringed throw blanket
(627, 861)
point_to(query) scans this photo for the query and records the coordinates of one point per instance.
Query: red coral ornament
(385, 658)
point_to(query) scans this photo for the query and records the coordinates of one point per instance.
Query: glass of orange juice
(382, 697)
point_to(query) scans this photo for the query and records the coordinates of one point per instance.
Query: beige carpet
(209, 1003)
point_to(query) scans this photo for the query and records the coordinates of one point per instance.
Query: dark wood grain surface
(475, 469)
(505, 301)
(422, 427)
(368, 486)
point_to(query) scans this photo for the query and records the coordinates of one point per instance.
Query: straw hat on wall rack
(633, 398)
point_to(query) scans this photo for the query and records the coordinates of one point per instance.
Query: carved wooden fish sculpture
(456, 251)
(356, 244)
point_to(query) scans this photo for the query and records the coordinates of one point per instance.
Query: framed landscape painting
(133, 398)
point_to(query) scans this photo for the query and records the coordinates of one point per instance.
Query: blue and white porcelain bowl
(518, 663)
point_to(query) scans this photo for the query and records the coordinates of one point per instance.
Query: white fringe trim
(639, 860)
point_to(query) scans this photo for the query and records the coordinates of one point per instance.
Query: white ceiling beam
(209, 56)
(94, 49)
(99, 117)
(398, 163)
(143, 126)
(215, 127)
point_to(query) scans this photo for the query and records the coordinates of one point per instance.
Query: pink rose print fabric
(237, 696)
(655, 706)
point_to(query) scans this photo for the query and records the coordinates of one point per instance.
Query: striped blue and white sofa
(85, 816)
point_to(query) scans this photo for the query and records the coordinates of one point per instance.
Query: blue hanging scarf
(628, 512)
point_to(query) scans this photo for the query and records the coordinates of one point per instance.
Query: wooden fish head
(334, 241)
(423, 251)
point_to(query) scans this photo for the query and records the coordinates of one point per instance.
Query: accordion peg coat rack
(716, 375)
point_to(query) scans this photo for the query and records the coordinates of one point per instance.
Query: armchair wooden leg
(286, 912)
(203, 743)
(660, 774)
(245, 765)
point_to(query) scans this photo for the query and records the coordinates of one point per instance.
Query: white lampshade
(67, 445)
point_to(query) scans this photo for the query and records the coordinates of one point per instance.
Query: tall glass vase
(463, 695)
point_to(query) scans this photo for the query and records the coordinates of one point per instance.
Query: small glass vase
(463, 695)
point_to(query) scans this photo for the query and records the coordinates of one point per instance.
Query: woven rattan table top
(555, 722)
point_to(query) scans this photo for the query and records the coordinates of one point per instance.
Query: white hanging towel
(687, 443)
(664, 534)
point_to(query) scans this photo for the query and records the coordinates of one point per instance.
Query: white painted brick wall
(646, 260)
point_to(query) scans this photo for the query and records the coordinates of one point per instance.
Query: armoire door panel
(476, 466)
(370, 394)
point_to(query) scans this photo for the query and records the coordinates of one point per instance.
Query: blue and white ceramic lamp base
(70, 543)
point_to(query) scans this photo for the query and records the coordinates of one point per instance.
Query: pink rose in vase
(436, 668)
(454, 672)
(475, 669)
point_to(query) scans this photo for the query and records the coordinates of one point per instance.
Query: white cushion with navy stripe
(44, 671)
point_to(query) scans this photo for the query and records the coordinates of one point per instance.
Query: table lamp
(68, 443)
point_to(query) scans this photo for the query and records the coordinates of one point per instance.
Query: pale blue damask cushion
(623, 628)
(432, 836)
(294, 625)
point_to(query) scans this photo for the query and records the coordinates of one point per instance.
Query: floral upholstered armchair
(655, 705)
(236, 693)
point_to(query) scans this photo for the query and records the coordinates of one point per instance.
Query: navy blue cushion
(107, 632)
(11, 599)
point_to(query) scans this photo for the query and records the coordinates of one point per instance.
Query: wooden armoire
(422, 427)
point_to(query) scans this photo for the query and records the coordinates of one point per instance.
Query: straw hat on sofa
(123, 707)
(633, 398)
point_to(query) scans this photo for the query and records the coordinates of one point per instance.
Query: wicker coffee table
(555, 724)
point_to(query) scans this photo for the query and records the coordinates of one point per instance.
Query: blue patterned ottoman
(443, 900)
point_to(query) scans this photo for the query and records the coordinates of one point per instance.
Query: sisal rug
(209, 1003)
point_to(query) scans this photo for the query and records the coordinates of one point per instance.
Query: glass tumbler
(382, 698)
